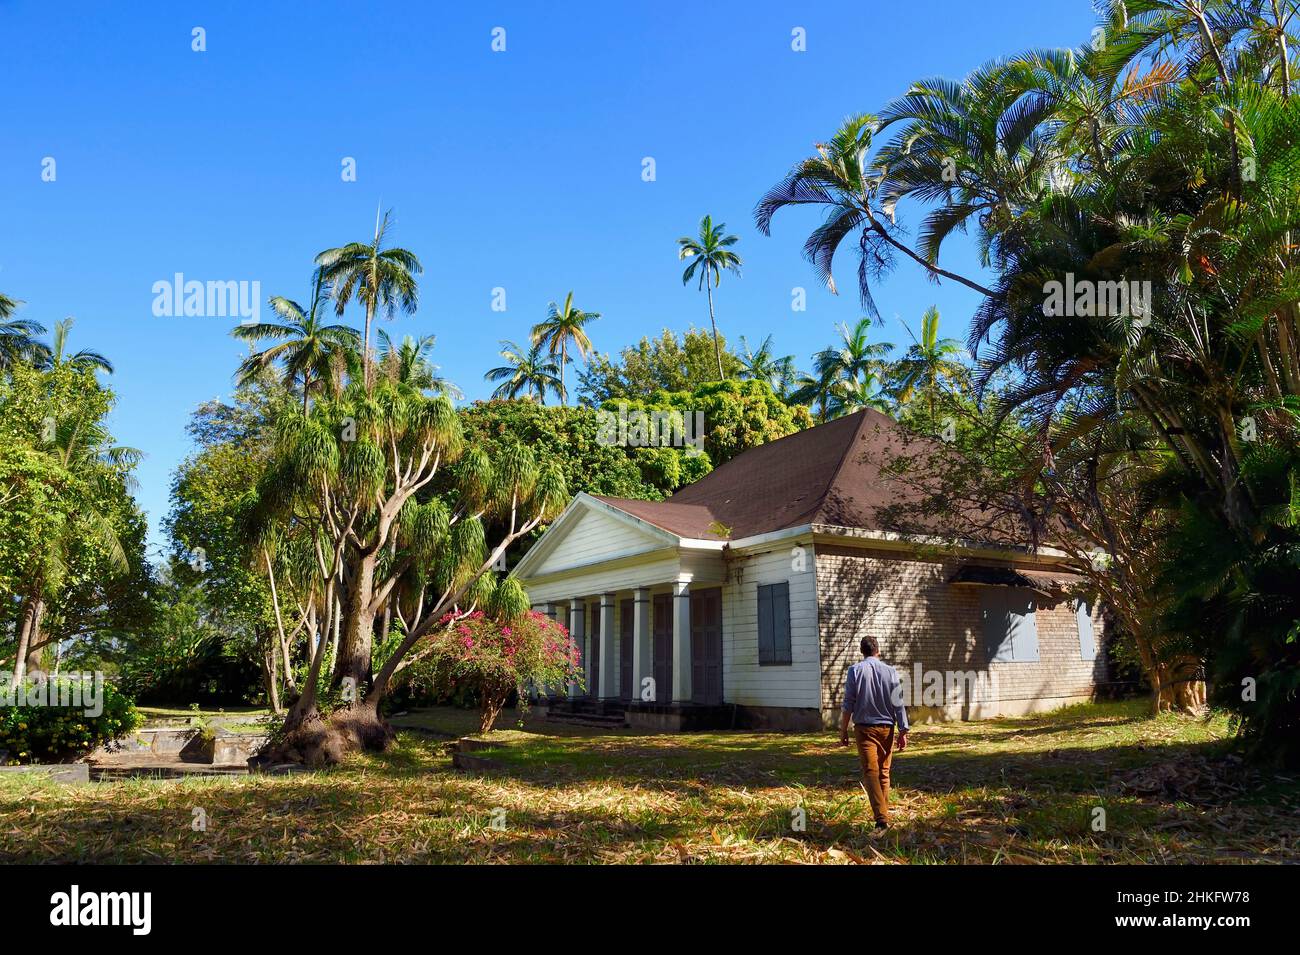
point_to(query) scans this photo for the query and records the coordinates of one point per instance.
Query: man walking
(873, 700)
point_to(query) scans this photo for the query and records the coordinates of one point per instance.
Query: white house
(740, 600)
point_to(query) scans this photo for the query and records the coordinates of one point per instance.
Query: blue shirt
(873, 695)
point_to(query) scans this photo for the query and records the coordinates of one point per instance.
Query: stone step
(60, 772)
(108, 774)
(586, 719)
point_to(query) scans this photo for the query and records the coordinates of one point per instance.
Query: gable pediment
(590, 532)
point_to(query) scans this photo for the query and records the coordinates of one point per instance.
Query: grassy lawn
(992, 792)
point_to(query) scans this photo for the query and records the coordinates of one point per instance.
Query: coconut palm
(56, 356)
(407, 363)
(762, 365)
(383, 280)
(710, 255)
(816, 389)
(848, 396)
(564, 326)
(858, 355)
(526, 372)
(929, 364)
(839, 180)
(311, 352)
(18, 337)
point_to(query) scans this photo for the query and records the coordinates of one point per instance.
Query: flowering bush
(492, 658)
(46, 733)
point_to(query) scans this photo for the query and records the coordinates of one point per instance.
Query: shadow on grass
(962, 795)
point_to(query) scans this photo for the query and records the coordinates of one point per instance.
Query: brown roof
(831, 474)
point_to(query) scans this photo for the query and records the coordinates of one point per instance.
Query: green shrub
(50, 734)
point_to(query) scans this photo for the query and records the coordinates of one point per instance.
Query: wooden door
(626, 618)
(706, 646)
(662, 612)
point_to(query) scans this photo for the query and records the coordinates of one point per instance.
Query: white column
(609, 669)
(681, 641)
(577, 634)
(640, 636)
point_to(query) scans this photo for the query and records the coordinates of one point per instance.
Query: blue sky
(519, 170)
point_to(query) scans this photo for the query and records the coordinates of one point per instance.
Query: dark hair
(869, 646)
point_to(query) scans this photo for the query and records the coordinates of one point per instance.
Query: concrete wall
(919, 618)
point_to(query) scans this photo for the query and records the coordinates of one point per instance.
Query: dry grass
(991, 792)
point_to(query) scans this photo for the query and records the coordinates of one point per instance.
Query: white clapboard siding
(744, 681)
(595, 537)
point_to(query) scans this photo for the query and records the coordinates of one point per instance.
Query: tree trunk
(32, 610)
(717, 348)
(489, 711)
(35, 650)
(271, 676)
(365, 348)
(353, 659)
(336, 630)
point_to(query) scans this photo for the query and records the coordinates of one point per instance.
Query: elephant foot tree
(378, 508)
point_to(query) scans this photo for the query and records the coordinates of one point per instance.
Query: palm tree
(817, 389)
(407, 363)
(710, 255)
(858, 357)
(18, 338)
(762, 365)
(846, 378)
(382, 279)
(848, 396)
(564, 326)
(82, 448)
(839, 179)
(929, 363)
(312, 352)
(56, 356)
(530, 373)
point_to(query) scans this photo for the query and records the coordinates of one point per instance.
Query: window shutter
(997, 625)
(766, 630)
(1023, 626)
(1087, 641)
(781, 616)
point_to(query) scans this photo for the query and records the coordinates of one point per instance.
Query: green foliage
(190, 652)
(666, 363)
(215, 612)
(49, 734)
(738, 415)
(71, 537)
(1239, 601)
(565, 437)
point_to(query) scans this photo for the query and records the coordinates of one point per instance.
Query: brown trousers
(876, 751)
